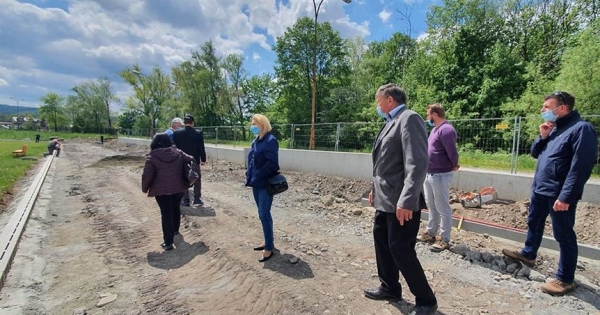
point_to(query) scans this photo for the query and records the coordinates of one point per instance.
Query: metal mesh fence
(504, 142)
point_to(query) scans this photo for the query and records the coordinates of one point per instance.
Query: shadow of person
(198, 211)
(281, 264)
(182, 254)
(406, 307)
(587, 294)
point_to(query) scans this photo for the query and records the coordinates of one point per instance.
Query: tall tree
(52, 110)
(202, 84)
(293, 68)
(103, 89)
(152, 91)
(235, 77)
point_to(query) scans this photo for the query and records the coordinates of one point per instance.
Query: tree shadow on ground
(198, 211)
(281, 264)
(182, 254)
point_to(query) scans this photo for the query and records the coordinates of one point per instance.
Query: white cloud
(384, 15)
(422, 36)
(52, 49)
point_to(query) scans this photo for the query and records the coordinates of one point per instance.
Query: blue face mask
(549, 115)
(380, 113)
(430, 123)
(254, 129)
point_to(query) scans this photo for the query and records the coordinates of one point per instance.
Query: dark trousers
(562, 229)
(395, 250)
(170, 215)
(197, 189)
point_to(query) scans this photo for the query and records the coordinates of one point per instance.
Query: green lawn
(13, 168)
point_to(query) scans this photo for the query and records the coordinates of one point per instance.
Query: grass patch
(13, 168)
(24, 135)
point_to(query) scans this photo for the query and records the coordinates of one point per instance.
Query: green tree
(293, 69)
(151, 90)
(52, 110)
(202, 84)
(580, 73)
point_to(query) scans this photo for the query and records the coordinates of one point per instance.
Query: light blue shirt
(394, 112)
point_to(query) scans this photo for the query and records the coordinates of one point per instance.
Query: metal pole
(513, 148)
(292, 133)
(518, 143)
(337, 136)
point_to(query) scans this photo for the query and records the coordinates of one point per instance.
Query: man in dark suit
(399, 168)
(191, 141)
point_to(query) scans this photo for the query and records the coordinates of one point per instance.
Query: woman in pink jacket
(163, 179)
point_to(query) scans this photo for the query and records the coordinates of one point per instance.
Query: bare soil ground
(95, 236)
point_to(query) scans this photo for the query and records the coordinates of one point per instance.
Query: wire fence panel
(498, 143)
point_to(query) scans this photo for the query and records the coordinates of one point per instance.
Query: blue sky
(53, 45)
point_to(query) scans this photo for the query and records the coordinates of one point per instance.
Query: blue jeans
(562, 228)
(437, 196)
(263, 202)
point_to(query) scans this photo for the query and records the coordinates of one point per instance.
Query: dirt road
(94, 238)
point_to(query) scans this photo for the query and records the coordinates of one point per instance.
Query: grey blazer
(400, 163)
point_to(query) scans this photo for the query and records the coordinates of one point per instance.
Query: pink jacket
(163, 172)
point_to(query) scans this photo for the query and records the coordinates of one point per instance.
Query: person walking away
(162, 178)
(37, 137)
(176, 124)
(191, 141)
(565, 151)
(443, 161)
(399, 169)
(263, 163)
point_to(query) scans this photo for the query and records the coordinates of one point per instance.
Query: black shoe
(166, 246)
(259, 248)
(265, 258)
(378, 294)
(185, 203)
(425, 310)
(198, 202)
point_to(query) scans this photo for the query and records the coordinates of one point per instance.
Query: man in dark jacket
(566, 151)
(191, 141)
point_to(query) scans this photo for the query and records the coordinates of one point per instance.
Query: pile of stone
(502, 264)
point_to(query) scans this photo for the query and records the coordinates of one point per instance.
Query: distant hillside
(8, 109)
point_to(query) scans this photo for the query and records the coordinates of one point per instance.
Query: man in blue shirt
(566, 152)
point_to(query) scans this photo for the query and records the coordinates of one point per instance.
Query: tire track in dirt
(123, 235)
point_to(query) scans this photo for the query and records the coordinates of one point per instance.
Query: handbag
(276, 184)
(191, 173)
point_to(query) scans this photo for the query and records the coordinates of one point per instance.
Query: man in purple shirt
(443, 160)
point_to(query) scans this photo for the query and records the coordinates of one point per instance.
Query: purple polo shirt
(443, 156)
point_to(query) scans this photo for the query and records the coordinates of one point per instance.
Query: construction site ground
(92, 246)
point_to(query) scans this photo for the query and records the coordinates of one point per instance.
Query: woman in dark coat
(163, 179)
(263, 163)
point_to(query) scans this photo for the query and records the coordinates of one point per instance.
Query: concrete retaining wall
(359, 166)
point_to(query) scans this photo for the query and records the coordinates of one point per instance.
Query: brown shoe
(557, 287)
(518, 256)
(425, 238)
(439, 246)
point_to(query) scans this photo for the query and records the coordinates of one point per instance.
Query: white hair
(177, 120)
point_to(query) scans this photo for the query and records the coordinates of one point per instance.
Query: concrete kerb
(12, 231)
(508, 233)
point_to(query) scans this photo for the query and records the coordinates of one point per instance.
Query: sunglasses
(561, 96)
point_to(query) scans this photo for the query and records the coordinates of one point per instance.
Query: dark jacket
(190, 141)
(163, 172)
(565, 159)
(263, 161)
